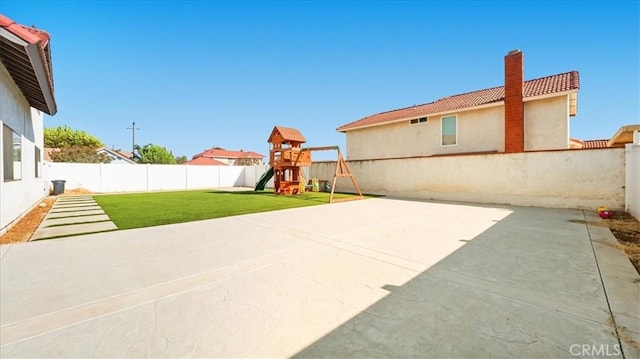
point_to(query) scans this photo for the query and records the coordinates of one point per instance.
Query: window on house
(449, 131)
(11, 154)
(419, 120)
(38, 160)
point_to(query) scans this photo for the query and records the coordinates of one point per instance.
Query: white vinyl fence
(109, 178)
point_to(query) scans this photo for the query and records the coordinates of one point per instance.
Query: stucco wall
(563, 179)
(546, 124)
(482, 130)
(16, 197)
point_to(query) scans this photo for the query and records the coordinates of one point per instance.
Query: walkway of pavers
(374, 278)
(73, 215)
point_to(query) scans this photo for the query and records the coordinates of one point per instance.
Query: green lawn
(151, 209)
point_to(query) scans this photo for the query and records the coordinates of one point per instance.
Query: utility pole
(133, 138)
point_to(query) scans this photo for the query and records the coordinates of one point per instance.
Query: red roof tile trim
(205, 161)
(537, 87)
(28, 34)
(222, 153)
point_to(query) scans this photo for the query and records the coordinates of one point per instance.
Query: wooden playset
(287, 158)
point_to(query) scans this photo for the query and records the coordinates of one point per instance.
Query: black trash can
(58, 187)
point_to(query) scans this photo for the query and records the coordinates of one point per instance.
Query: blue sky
(197, 74)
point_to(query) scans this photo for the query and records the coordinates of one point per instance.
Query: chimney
(513, 105)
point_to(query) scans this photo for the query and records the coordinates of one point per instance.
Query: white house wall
(546, 124)
(563, 179)
(16, 197)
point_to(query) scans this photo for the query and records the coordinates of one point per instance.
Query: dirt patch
(591, 223)
(626, 229)
(75, 192)
(22, 231)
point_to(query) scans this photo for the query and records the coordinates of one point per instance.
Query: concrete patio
(374, 278)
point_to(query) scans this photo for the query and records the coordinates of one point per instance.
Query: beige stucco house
(26, 92)
(519, 116)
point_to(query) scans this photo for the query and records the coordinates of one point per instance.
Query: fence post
(100, 179)
(186, 177)
(148, 177)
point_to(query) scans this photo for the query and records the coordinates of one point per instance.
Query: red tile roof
(222, 153)
(124, 153)
(595, 144)
(532, 88)
(28, 34)
(205, 161)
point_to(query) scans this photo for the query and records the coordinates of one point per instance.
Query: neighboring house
(233, 158)
(26, 91)
(588, 144)
(519, 116)
(116, 156)
(622, 137)
(205, 161)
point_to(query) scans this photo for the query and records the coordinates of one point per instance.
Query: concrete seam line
(604, 288)
(8, 249)
(354, 249)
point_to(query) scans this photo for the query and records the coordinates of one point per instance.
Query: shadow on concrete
(528, 286)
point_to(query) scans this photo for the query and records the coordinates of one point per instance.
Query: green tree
(73, 146)
(155, 154)
(79, 154)
(180, 160)
(65, 136)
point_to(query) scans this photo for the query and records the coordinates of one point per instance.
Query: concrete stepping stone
(74, 213)
(72, 229)
(71, 216)
(71, 205)
(75, 220)
(75, 209)
(74, 200)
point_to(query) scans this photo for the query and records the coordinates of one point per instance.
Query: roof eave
(623, 135)
(492, 104)
(38, 71)
(549, 95)
(479, 107)
(39, 67)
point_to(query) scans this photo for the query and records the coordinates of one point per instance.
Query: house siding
(547, 124)
(478, 130)
(16, 197)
